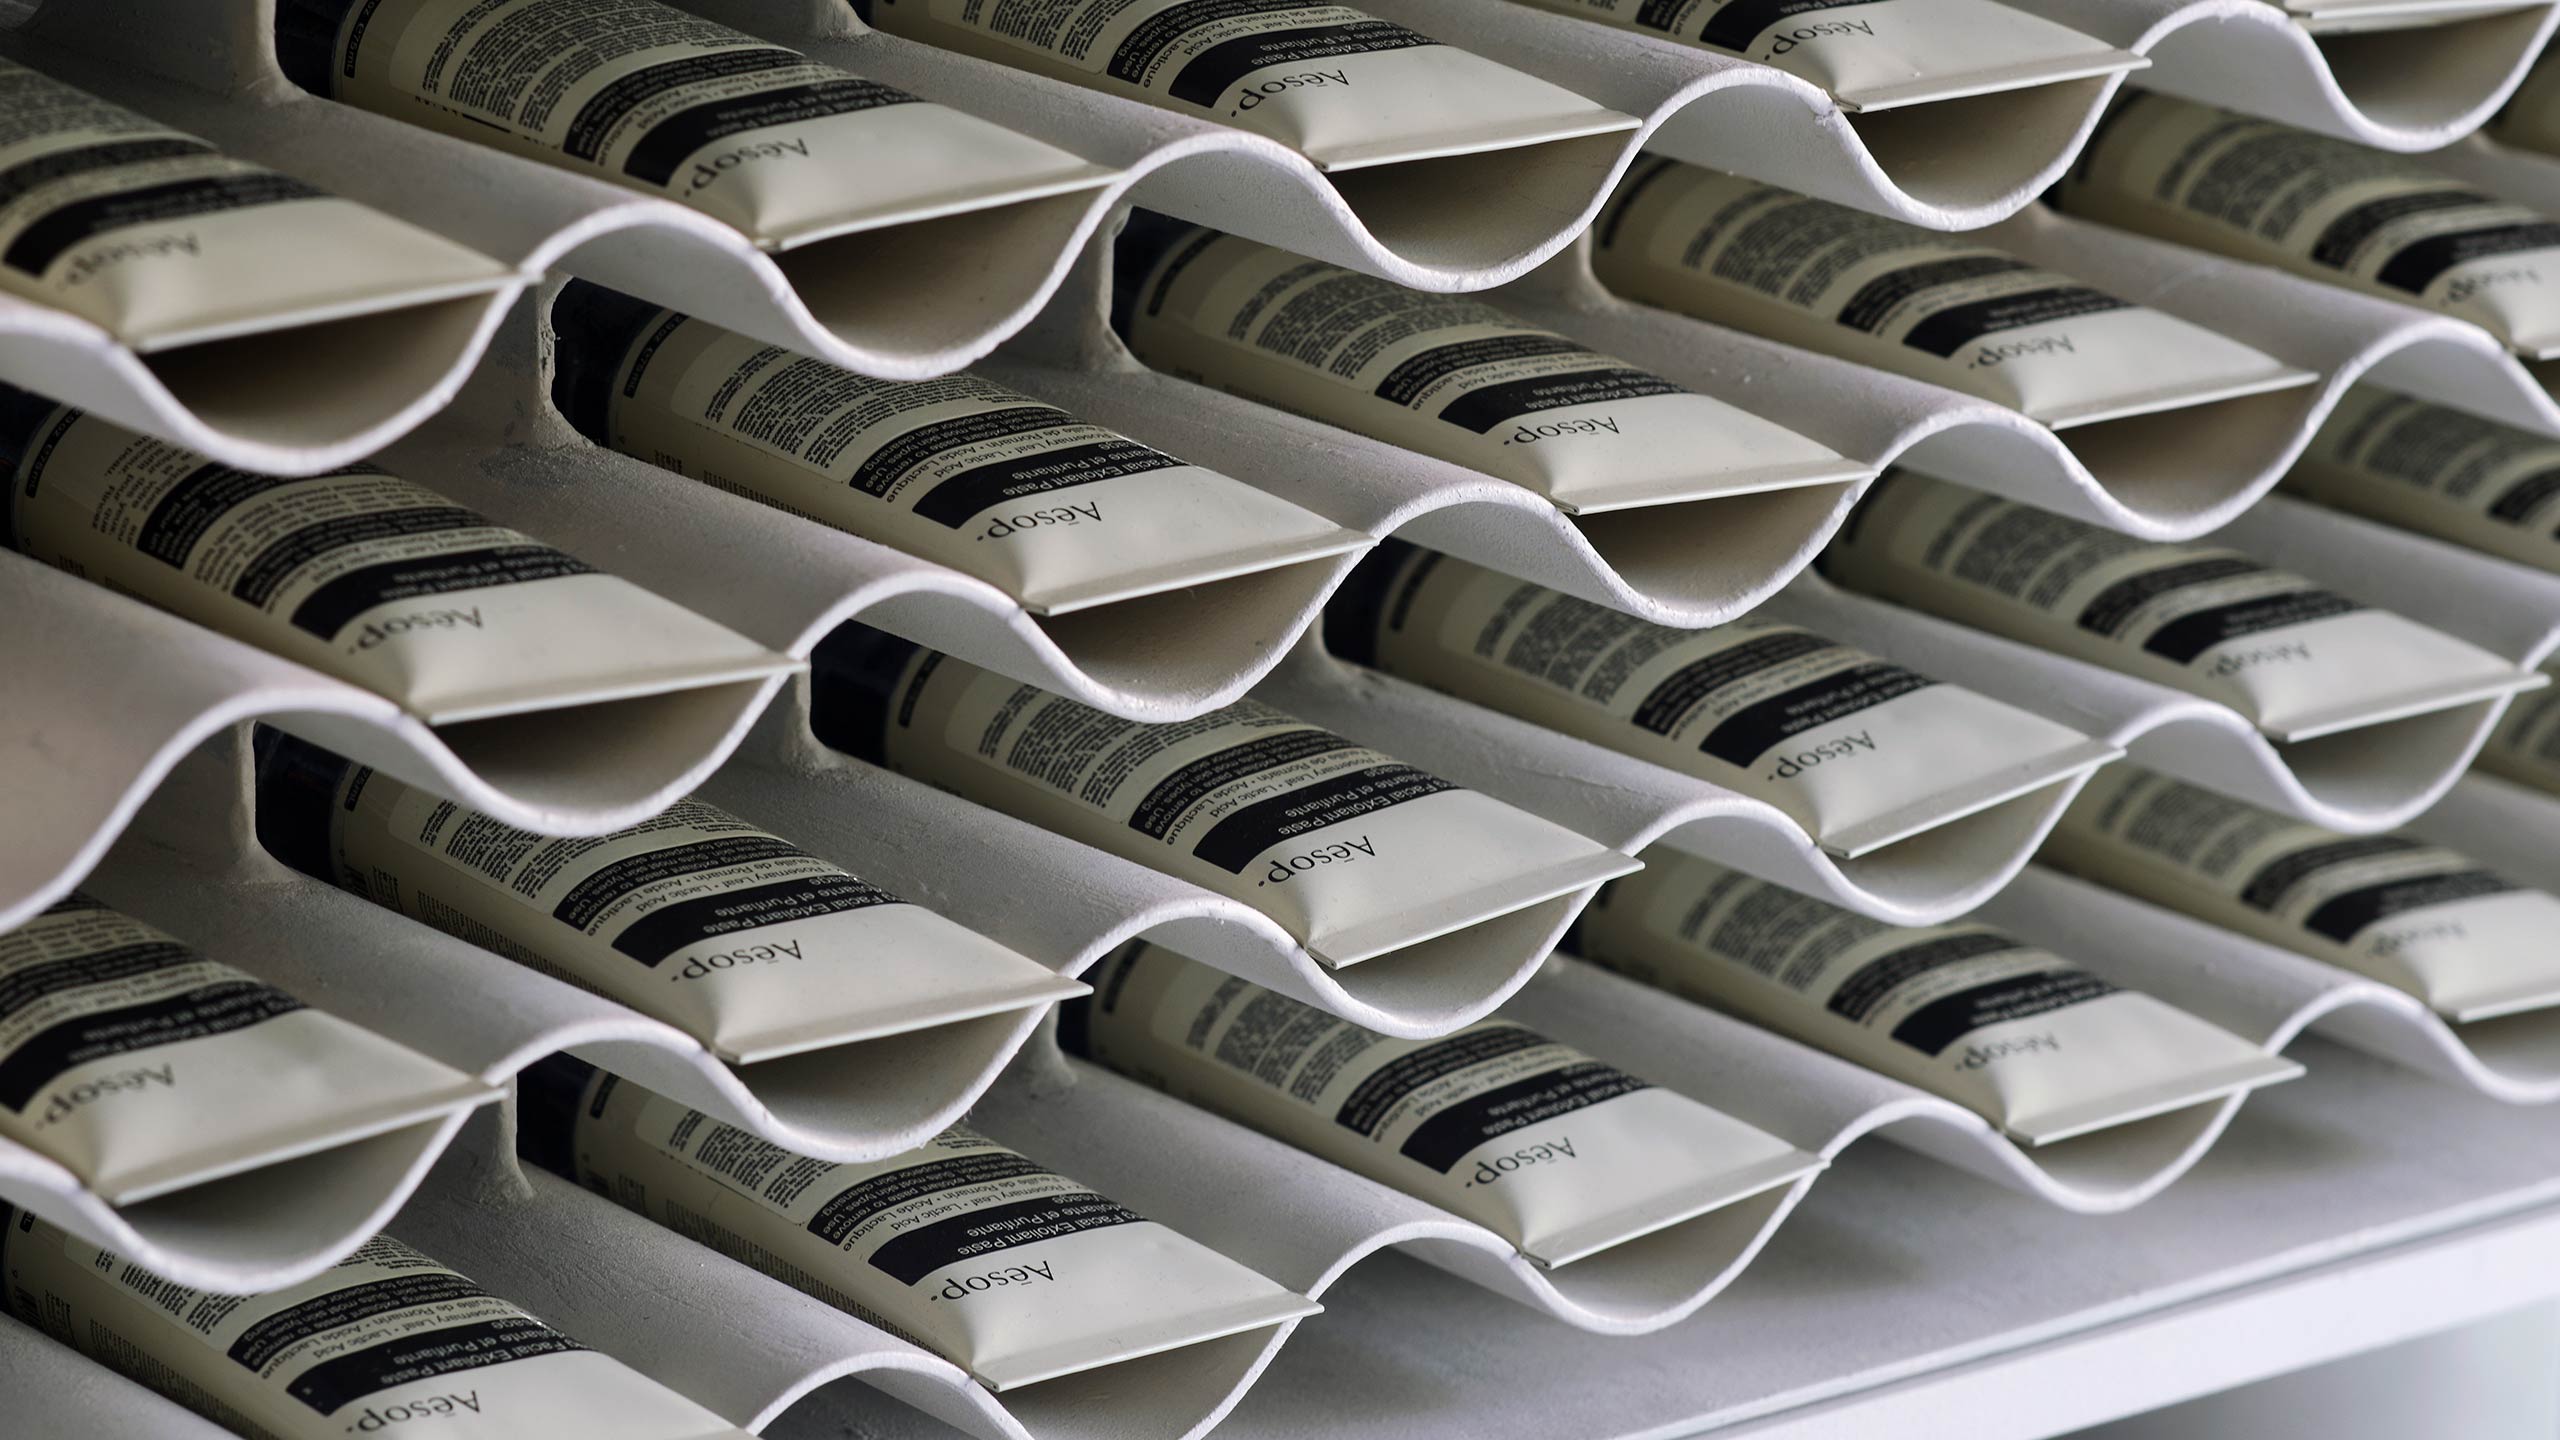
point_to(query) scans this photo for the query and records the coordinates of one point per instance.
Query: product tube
(2295, 660)
(1889, 294)
(2419, 917)
(160, 240)
(2437, 471)
(1859, 751)
(1341, 87)
(2330, 209)
(1057, 513)
(1447, 375)
(356, 573)
(1557, 1153)
(743, 941)
(1875, 54)
(143, 1067)
(1014, 1273)
(1353, 853)
(785, 149)
(2029, 1041)
(386, 1341)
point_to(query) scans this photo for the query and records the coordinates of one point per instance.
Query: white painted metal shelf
(2358, 1207)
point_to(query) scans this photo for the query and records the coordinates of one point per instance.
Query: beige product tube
(1352, 852)
(2029, 1041)
(1560, 1155)
(2469, 943)
(153, 236)
(784, 148)
(1447, 375)
(1875, 54)
(745, 942)
(1057, 513)
(1889, 294)
(384, 1342)
(2295, 660)
(1337, 85)
(2525, 748)
(1015, 1273)
(144, 1067)
(2329, 209)
(1859, 751)
(2438, 471)
(357, 573)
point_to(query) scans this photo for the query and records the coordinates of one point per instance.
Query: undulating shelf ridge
(2360, 781)
(1306, 1223)
(178, 685)
(193, 870)
(966, 282)
(2173, 475)
(1634, 804)
(786, 582)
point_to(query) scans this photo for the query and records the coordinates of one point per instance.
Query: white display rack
(2353, 1209)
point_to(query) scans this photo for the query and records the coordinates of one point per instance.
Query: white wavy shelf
(1307, 1223)
(769, 1350)
(193, 868)
(1631, 804)
(117, 692)
(2172, 475)
(915, 300)
(2273, 995)
(108, 695)
(2411, 89)
(2376, 778)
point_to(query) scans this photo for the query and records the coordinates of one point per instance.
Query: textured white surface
(963, 284)
(2353, 1208)
(2375, 778)
(1893, 1273)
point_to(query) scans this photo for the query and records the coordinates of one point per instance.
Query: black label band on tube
(1483, 409)
(670, 928)
(1669, 703)
(1945, 1021)
(1755, 730)
(1871, 984)
(216, 1009)
(1870, 308)
(1213, 71)
(28, 176)
(1409, 379)
(1951, 329)
(330, 608)
(991, 1229)
(334, 1384)
(2185, 638)
(287, 555)
(1454, 1133)
(1737, 23)
(2343, 917)
(1234, 841)
(973, 492)
(1172, 797)
(2340, 239)
(2112, 609)
(2417, 265)
(2275, 880)
(1148, 41)
(44, 242)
